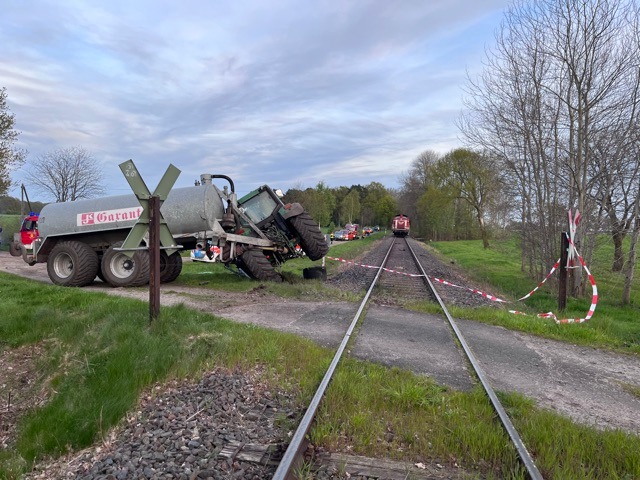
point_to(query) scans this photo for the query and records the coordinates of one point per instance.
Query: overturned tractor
(257, 234)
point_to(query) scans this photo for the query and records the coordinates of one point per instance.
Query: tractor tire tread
(255, 264)
(310, 237)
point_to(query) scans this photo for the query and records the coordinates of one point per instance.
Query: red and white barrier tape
(373, 266)
(594, 294)
(486, 295)
(553, 269)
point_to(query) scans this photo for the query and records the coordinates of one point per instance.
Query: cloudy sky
(283, 92)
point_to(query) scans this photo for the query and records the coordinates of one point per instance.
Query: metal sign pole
(154, 257)
(152, 221)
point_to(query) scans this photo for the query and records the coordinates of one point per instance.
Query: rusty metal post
(154, 257)
(562, 270)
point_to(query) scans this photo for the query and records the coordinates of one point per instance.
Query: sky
(287, 93)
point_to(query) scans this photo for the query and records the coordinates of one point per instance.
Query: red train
(400, 225)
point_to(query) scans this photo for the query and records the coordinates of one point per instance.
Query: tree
(562, 77)
(384, 210)
(437, 214)
(378, 205)
(414, 185)
(326, 201)
(350, 207)
(10, 157)
(67, 174)
(472, 178)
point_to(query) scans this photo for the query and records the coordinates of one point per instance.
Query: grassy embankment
(97, 353)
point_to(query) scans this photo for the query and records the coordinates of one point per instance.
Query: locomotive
(400, 225)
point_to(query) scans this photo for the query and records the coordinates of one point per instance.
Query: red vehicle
(28, 233)
(400, 225)
(354, 229)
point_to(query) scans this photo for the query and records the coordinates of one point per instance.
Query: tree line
(372, 204)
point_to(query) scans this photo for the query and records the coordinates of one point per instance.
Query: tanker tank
(186, 210)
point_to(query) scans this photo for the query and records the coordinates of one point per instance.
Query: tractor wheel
(257, 266)
(121, 271)
(15, 249)
(309, 235)
(72, 264)
(170, 266)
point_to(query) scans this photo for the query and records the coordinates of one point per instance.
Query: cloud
(266, 92)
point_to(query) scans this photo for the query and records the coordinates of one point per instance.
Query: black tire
(309, 236)
(15, 249)
(100, 274)
(72, 264)
(121, 271)
(170, 266)
(315, 273)
(257, 266)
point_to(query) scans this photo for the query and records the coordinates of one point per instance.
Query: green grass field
(98, 353)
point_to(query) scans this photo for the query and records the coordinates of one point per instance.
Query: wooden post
(154, 257)
(562, 269)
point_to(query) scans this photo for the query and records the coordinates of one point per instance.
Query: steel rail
(528, 462)
(293, 450)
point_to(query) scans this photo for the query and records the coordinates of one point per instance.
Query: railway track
(400, 271)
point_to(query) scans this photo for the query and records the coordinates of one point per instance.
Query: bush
(10, 224)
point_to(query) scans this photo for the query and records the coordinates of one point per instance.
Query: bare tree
(68, 174)
(561, 80)
(10, 157)
(630, 266)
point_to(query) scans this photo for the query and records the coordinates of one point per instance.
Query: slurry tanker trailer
(256, 234)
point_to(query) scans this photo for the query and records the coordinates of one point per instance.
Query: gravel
(400, 288)
(180, 430)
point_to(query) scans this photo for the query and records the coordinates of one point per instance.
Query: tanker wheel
(170, 266)
(309, 235)
(72, 264)
(257, 266)
(15, 249)
(100, 274)
(121, 271)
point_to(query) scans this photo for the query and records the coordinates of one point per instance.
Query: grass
(216, 276)
(100, 353)
(612, 326)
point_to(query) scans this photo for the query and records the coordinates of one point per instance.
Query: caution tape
(594, 294)
(553, 269)
(376, 267)
(594, 288)
(486, 295)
